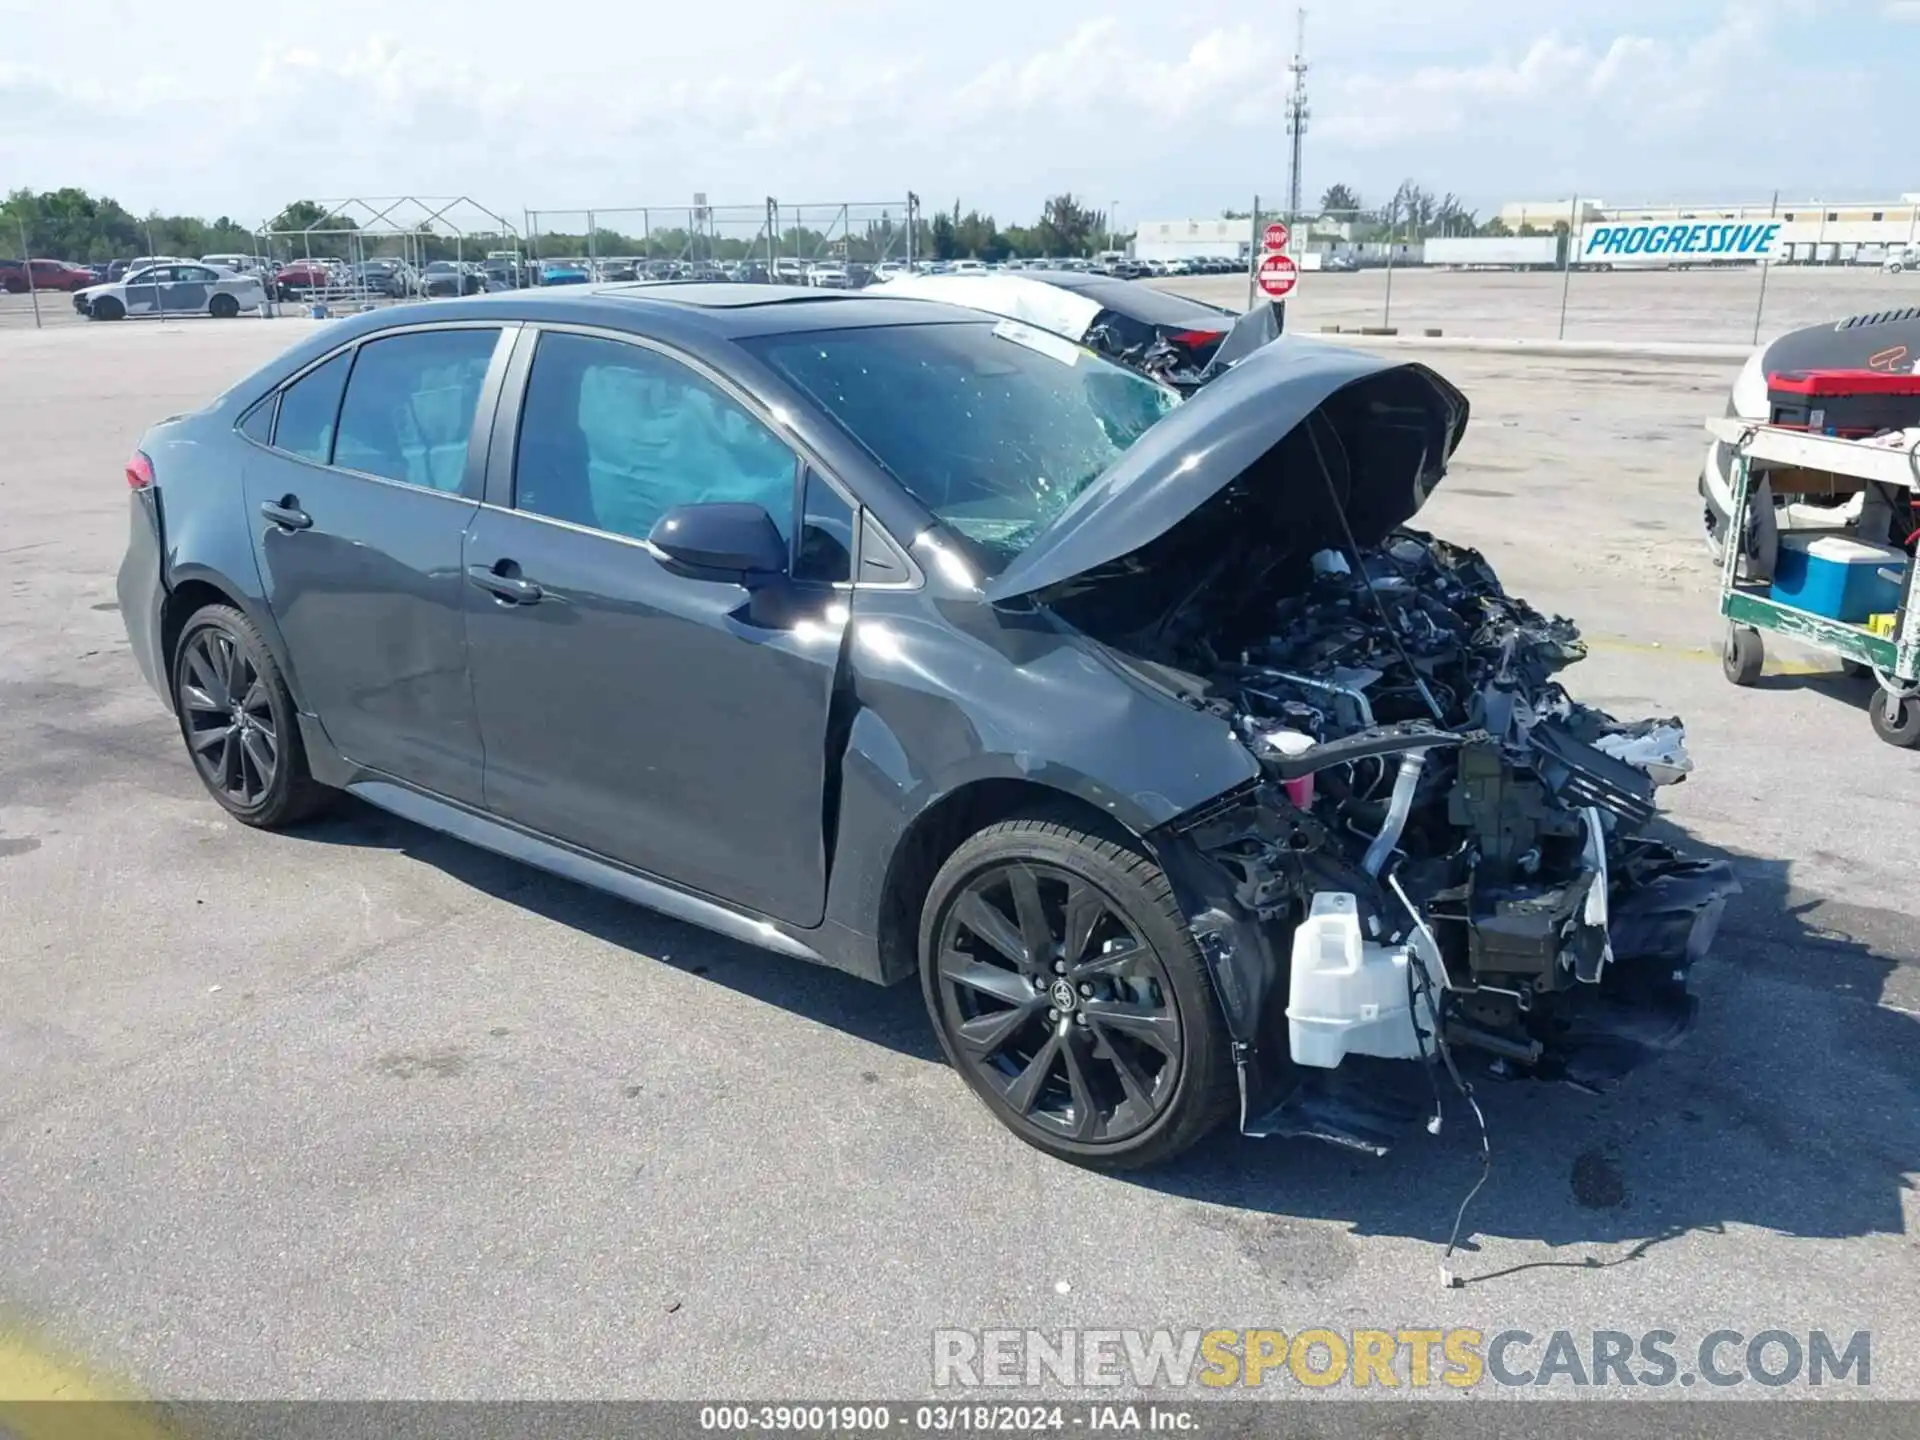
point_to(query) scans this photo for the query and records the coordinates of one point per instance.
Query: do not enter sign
(1275, 237)
(1277, 276)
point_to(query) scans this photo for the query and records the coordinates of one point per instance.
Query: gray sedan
(182, 288)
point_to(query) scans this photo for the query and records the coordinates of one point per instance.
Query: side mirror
(733, 537)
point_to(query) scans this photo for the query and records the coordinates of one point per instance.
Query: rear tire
(239, 722)
(1068, 992)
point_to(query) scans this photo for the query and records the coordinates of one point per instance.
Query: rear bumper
(142, 591)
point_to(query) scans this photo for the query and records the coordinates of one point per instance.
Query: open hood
(1383, 429)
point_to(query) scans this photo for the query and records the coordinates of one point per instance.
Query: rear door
(358, 504)
(675, 724)
(188, 289)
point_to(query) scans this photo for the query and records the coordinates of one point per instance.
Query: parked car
(394, 279)
(239, 264)
(564, 272)
(1905, 257)
(185, 288)
(301, 278)
(17, 277)
(452, 277)
(1340, 264)
(829, 277)
(503, 273)
(1169, 337)
(722, 606)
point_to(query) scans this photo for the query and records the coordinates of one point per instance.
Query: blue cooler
(1837, 577)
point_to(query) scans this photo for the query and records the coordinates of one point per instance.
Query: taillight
(1196, 339)
(139, 471)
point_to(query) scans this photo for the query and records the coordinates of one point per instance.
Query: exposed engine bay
(1452, 843)
(1445, 859)
(1441, 856)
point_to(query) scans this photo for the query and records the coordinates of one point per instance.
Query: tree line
(1413, 212)
(71, 224)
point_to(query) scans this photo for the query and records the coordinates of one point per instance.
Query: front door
(673, 724)
(358, 507)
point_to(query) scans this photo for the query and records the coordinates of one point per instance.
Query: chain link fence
(1569, 270)
(1556, 270)
(841, 241)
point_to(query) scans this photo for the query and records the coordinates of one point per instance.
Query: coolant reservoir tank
(1346, 995)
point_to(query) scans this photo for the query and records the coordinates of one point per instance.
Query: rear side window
(308, 409)
(409, 407)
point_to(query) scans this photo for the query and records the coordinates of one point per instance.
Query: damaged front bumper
(1467, 887)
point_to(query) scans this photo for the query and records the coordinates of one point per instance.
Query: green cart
(1893, 660)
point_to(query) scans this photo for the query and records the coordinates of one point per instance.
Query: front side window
(994, 428)
(409, 408)
(308, 409)
(612, 436)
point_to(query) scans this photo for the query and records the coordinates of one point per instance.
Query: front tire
(106, 308)
(223, 307)
(238, 721)
(1067, 990)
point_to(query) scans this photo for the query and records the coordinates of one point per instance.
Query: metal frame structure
(1894, 661)
(401, 223)
(777, 227)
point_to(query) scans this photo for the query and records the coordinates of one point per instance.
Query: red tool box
(1844, 402)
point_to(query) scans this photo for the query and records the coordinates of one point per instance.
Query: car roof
(720, 310)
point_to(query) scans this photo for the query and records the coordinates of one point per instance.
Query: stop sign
(1277, 276)
(1275, 237)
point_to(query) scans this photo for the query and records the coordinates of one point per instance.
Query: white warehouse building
(1191, 239)
(1812, 231)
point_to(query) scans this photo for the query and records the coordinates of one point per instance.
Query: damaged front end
(1445, 850)
(1444, 857)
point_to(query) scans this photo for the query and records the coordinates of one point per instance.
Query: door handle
(287, 514)
(510, 588)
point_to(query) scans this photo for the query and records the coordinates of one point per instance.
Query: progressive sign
(1699, 240)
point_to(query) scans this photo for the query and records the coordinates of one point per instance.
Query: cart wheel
(1854, 670)
(1743, 655)
(1896, 719)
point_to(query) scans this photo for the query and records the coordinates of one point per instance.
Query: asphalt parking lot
(361, 1111)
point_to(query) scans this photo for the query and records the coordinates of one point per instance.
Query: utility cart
(1796, 461)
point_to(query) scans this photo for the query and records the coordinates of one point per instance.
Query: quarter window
(308, 409)
(257, 424)
(825, 552)
(409, 406)
(614, 435)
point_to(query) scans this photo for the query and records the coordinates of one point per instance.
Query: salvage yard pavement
(359, 1110)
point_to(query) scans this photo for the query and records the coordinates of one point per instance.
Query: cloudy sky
(1169, 107)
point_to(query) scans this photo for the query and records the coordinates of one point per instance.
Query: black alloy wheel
(238, 721)
(228, 718)
(1068, 993)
